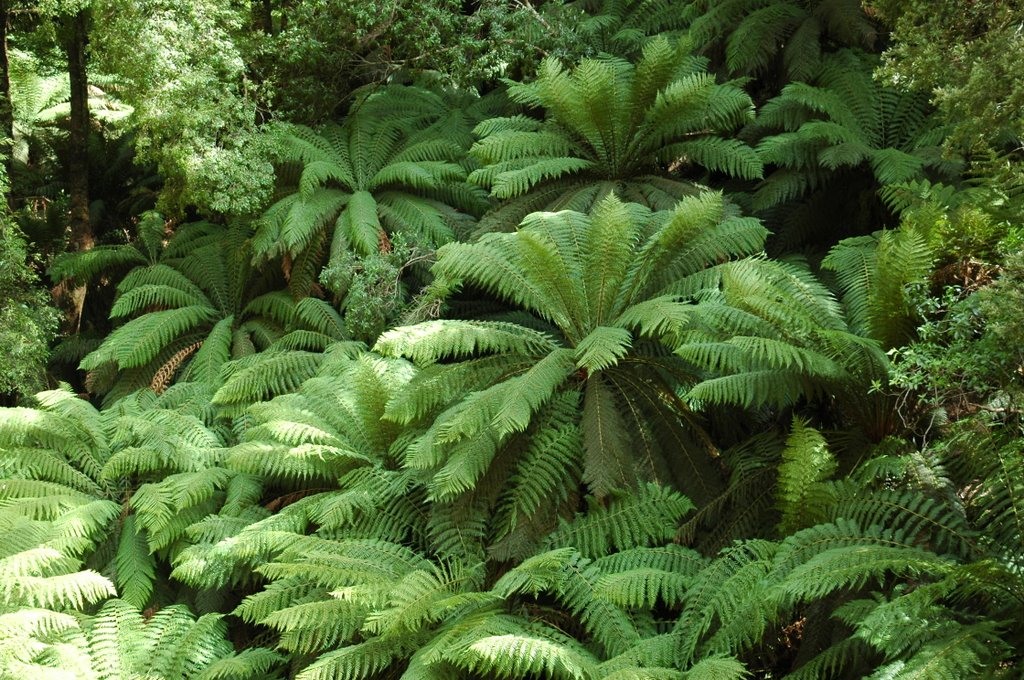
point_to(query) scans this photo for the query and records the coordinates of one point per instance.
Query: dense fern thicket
(686, 348)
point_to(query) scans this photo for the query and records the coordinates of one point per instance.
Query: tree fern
(612, 126)
(112, 486)
(843, 127)
(360, 606)
(119, 643)
(378, 173)
(623, 27)
(783, 39)
(600, 283)
(875, 273)
(202, 304)
(772, 334)
(323, 455)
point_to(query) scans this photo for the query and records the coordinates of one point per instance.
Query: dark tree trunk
(285, 6)
(265, 15)
(6, 108)
(78, 151)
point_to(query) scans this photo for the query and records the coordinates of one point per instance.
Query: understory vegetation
(575, 340)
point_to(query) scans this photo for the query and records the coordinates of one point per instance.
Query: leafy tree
(27, 321)
(182, 68)
(40, 104)
(312, 55)
(953, 53)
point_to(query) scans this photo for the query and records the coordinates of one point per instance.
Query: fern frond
(651, 513)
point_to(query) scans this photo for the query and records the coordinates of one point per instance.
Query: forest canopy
(566, 339)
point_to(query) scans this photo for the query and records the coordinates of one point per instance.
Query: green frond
(537, 573)
(261, 376)
(522, 656)
(143, 297)
(136, 568)
(648, 514)
(85, 266)
(140, 340)
(207, 363)
(728, 156)
(161, 275)
(664, 316)
(731, 592)
(521, 396)
(510, 183)
(354, 662)
(607, 452)
(77, 590)
(960, 654)
(643, 587)
(836, 556)
(318, 173)
(439, 384)
(717, 668)
(806, 463)
(254, 662)
(547, 469)
(428, 342)
(320, 316)
(602, 348)
(310, 627)
(873, 273)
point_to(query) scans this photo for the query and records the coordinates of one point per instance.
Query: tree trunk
(78, 153)
(265, 15)
(6, 108)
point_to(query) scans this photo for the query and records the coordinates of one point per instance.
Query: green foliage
(27, 320)
(604, 287)
(379, 173)
(964, 358)
(150, 248)
(201, 304)
(182, 69)
(876, 274)
(770, 333)
(959, 225)
(954, 53)
(806, 463)
(497, 489)
(780, 40)
(841, 134)
(373, 288)
(107, 489)
(623, 27)
(119, 643)
(844, 120)
(613, 126)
